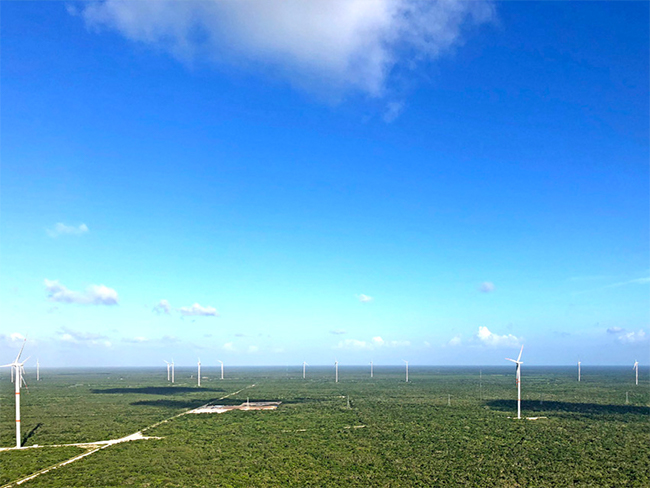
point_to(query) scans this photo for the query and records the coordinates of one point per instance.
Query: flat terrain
(447, 427)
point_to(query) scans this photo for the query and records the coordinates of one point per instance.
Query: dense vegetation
(444, 428)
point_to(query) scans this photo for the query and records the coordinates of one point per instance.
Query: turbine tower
(636, 368)
(336, 366)
(199, 376)
(169, 378)
(38, 371)
(18, 383)
(372, 373)
(518, 364)
(173, 370)
(304, 364)
(578, 371)
(221, 368)
(407, 370)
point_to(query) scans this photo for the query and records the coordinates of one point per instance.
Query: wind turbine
(199, 376)
(518, 364)
(304, 364)
(407, 370)
(336, 366)
(372, 373)
(578, 371)
(19, 382)
(221, 368)
(38, 371)
(168, 372)
(636, 368)
(173, 370)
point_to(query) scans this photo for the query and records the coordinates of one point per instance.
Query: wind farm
(317, 416)
(337, 224)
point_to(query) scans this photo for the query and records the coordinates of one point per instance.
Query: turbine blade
(508, 359)
(21, 350)
(522, 350)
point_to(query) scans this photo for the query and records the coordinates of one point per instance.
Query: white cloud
(636, 281)
(455, 341)
(393, 110)
(375, 343)
(163, 307)
(337, 331)
(229, 346)
(331, 45)
(494, 340)
(365, 298)
(486, 287)
(83, 338)
(353, 344)
(253, 349)
(197, 309)
(61, 229)
(615, 330)
(140, 339)
(626, 337)
(16, 336)
(94, 294)
(632, 337)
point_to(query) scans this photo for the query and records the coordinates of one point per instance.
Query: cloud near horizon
(375, 343)
(163, 306)
(83, 338)
(94, 294)
(198, 310)
(628, 337)
(319, 45)
(485, 336)
(365, 298)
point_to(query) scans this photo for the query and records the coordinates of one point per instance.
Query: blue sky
(267, 184)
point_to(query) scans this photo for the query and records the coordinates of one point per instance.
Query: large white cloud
(93, 295)
(317, 43)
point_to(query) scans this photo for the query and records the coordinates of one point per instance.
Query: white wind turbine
(578, 371)
(169, 378)
(221, 368)
(372, 373)
(304, 365)
(336, 366)
(199, 376)
(407, 370)
(38, 371)
(636, 368)
(518, 364)
(173, 370)
(18, 382)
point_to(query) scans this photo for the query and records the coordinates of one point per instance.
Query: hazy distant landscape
(447, 426)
